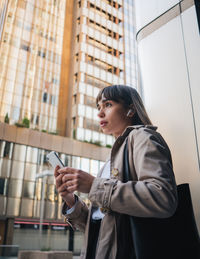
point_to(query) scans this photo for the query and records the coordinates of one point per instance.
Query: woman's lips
(103, 123)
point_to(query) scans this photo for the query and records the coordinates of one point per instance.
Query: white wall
(169, 61)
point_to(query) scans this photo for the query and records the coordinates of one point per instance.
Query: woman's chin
(104, 130)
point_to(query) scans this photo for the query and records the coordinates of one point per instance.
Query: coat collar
(119, 140)
(130, 128)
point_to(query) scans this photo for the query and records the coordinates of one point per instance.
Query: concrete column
(2, 231)
(9, 231)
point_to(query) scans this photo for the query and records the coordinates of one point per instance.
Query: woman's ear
(130, 113)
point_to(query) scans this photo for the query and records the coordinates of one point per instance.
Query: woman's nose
(100, 113)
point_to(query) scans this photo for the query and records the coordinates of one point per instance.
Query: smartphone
(54, 160)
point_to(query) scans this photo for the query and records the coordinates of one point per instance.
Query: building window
(74, 121)
(74, 99)
(6, 149)
(75, 77)
(3, 186)
(41, 54)
(25, 47)
(77, 57)
(53, 99)
(44, 98)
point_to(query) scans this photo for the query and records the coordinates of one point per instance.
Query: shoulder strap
(126, 175)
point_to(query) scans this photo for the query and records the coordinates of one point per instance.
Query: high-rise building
(30, 61)
(55, 56)
(101, 55)
(47, 50)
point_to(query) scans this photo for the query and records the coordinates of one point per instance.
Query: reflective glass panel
(94, 167)
(17, 170)
(85, 164)
(28, 189)
(19, 152)
(32, 154)
(15, 188)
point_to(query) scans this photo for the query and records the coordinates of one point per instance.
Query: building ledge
(34, 138)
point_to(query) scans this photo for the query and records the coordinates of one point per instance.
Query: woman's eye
(108, 104)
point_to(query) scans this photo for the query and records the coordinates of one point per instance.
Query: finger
(62, 188)
(66, 170)
(59, 180)
(72, 185)
(72, 188)
(56, 173)
(68, 177)
(64, 193)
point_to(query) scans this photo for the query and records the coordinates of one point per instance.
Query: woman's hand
(67, 196)
(76, 180)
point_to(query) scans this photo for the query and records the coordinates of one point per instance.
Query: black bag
(170, 238)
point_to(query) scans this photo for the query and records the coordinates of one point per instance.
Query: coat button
(115, 171)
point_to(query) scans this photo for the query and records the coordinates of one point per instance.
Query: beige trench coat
(152, 193)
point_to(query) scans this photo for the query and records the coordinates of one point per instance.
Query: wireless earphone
(128, 113)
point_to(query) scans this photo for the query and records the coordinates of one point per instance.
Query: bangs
(129, 98)
(114, 93)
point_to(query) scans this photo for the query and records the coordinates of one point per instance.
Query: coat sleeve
(154, 192)
(78, 218)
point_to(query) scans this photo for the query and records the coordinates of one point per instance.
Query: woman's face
(113, 117)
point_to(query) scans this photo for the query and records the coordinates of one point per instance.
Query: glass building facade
(20, 187)
(30, 61)
(28, 199)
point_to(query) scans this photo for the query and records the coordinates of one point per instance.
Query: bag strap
(126, 178)
(126, 175)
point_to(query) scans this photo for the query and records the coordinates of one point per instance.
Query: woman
(151, 193)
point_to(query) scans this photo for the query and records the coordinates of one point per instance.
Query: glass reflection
(94, 167)
(76, 162)
(85, 165)
(30, 171)
(38, 189)
(19, 152)
(17, 170)
(15, 188)
(51, 192)
(5, 165)
(32, 154)
(28, 189)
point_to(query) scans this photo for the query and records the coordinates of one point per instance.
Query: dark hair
(130, 98)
